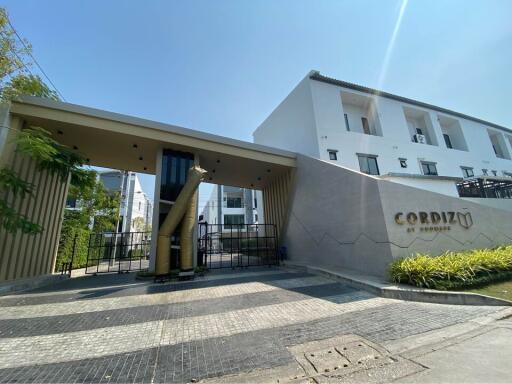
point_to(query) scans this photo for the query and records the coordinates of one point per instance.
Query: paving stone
(200, 329)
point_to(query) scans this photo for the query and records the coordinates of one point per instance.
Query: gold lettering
(398, 219)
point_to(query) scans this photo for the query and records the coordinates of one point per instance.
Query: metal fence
(237, 245)
(118, 252)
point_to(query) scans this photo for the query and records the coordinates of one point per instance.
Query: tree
(36, 143)
(13, 53)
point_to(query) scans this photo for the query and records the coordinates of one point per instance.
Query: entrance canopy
(118, 141)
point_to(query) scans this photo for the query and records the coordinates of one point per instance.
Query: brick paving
(115, 329)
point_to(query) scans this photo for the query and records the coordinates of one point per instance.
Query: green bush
(136, 253)
(454, 270)
(66, 243)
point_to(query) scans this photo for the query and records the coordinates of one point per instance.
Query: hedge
(453, 270)
(65, 251)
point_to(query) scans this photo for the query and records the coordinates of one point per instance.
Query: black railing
(118, 252)
(486, 188)
(237, 245)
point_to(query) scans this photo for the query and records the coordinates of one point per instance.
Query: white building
(400, 139)
(233, 205)
(136, 208)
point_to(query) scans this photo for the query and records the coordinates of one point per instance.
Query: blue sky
(223, 66)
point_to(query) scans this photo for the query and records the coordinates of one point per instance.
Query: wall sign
(433, 221)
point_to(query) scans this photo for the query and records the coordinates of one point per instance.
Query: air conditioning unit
(420, 139)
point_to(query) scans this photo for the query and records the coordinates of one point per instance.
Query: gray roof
(318, 77)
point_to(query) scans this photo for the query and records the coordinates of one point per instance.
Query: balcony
(360, 114)
(452, 133)
(420, 126)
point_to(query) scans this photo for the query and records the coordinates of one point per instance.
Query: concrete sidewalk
(476, 351)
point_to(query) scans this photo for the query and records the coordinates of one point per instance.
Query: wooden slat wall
(275, 202)
(23, 255)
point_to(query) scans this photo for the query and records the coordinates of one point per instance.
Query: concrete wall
(292, 124)
(488, 227)
(336, 219)
(343, 218)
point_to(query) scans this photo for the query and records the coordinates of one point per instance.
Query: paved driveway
(113, 328)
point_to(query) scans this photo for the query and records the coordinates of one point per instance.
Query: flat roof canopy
(123, 142)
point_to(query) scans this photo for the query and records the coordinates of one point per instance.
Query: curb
(15, 286)
(404, 292)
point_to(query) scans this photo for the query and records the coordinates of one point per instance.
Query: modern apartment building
(136, 208)
(233, 205)
(392, 137)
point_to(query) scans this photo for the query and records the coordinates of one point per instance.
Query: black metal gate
(237, 245)
(118, 252)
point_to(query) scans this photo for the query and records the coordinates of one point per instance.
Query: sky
(223, 66)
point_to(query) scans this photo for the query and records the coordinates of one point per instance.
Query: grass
(501, 290)
(455, 270)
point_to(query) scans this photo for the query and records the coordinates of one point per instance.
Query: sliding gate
(118, 252)
(237, 245)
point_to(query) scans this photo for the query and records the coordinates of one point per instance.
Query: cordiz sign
(433, 221)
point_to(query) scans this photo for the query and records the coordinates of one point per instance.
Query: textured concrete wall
(339, 217)
(336, 219)
(490, 226)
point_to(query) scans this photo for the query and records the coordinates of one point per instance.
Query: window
(467, 172)
(140, 205)
(447, 141)
(366, 125)
(429, 168)
(346, 122)
(256, 218)
(484, 171)
(419, 131)
(333, 154)
(234, 202)
(368, 164)
(233, 220)
(495, 173)
(255, 203)
(508, 174)
(403, 162)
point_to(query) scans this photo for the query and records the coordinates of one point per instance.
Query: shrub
(454, 270)
(65, 252)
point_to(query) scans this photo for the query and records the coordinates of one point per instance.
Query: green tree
(36, 143)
